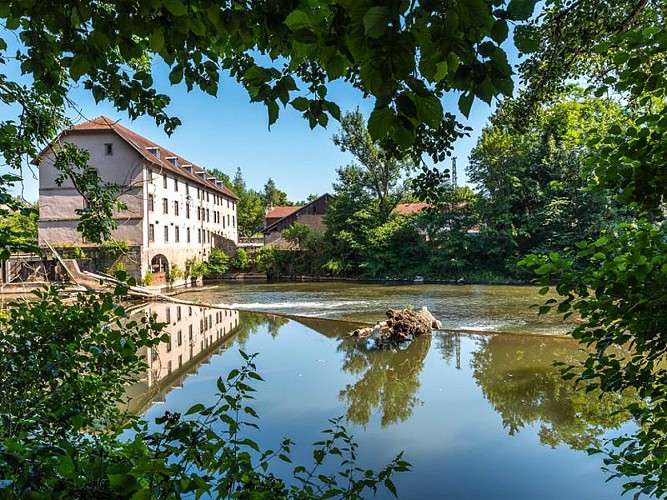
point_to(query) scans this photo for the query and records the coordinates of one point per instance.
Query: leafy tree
(218, 261)
(272, 196)
(298, 234)
(532, 179)
(381, 174)
(241, 260)
(18, 226)
(221, 176)
(249, 209)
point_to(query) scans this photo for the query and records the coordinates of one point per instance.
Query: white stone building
(175, 210)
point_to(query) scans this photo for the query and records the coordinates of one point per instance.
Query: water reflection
(387, 379)
(515, 373)
(194, 335)
(518, 378)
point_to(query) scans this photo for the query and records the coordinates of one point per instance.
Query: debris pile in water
(401, 325)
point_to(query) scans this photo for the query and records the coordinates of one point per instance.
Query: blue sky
(228, 131)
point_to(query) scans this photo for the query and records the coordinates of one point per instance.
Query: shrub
(218, 262)
(148, 279)
(241, 260)
(113, 246)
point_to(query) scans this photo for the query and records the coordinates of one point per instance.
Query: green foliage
(218, 262)
(18, 226)
(298, 235)
(378, 172)
(78, 252)
(148, 279)
(174, 273)
(241, 260)
(114, 247)
(533, 179)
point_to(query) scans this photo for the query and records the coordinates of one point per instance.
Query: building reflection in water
(195, 334)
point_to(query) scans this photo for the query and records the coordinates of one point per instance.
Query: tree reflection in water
(388, 379)
(518, 378)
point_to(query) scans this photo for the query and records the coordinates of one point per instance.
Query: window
(149, 175)
(227, 203)
(180, 338)
(165, 206)
(223, 222)
(151, 203)
(168, 312)
(175, 184)
(208, 218)
(199, 235)
(178, 313)
(108, 149)
(169, 344)
(233, 221)
(187, 210)
(190, 332)
(187, 188)
(164, 181)
(198, 213)
(187, 232)
(228, 219)
(176, 207)
(151, 232)
(166, 234)
(207, 195)
(177, 234)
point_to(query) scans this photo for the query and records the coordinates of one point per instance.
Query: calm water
(478, 415)
(460, 307)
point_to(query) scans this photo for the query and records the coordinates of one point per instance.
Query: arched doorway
(160, 269)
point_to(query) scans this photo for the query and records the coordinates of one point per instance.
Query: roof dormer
(154, 150)
(187, 167)
(173, 160)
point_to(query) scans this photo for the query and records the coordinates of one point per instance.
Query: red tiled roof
(410, 208)
(280, 212)
(141, 144)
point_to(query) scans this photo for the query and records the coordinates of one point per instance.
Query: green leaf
(300, 103)
(376, 21)
(274, 111)
(520, 10)
(195, 409)
(526, 39)
(403, 136)
(256, 75)
(176, 7)
(156, 40)
(499, 31)
(465, 103)
(380, 122)
(429, 110)
(297, 19)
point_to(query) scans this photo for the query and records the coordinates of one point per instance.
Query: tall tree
(272, 196)
(380, 174)
(532, 178)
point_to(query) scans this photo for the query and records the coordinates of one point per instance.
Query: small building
(175, 210)
(409, 208)
(280, 218)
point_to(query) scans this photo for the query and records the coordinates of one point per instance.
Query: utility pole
(454, 180)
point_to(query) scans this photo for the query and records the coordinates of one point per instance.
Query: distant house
(280, 218)
(409, 208)
(175, 210)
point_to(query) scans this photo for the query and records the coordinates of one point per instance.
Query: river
(478, 414)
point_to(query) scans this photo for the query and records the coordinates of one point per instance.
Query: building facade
(175, 210)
